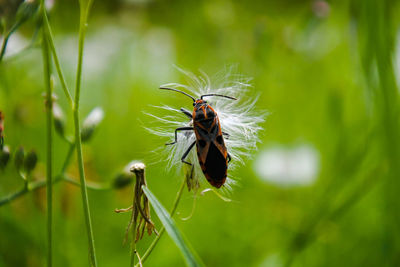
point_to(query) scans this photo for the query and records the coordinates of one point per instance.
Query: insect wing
(211, 152)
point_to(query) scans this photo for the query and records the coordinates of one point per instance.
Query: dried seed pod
(140, 218)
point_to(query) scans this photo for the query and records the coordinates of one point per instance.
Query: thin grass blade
(189, 254)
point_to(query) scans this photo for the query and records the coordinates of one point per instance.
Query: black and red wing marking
(211, 149)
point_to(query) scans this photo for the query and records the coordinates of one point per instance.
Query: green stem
(42, 183)
(85, 200)
(49, 123)
(82, 30)
(162, 230)
(5, 40)
(90, 185)
(56, 61)
(39, 184)
(4, 45)
(13, 196)
(68, 158)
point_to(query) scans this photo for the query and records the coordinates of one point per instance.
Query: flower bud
(4, 157)
(59, 120)
(30, 161)
(122, 180)
(91, 122)
(19, 158)
(26, 10)
(125, 177)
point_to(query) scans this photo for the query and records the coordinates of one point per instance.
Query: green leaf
(189, 254)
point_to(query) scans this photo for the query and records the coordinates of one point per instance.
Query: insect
(211, 150)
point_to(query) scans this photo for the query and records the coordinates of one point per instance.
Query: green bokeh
(326, 72)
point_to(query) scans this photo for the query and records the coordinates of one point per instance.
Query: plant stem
(15, 195)
(68, 158)
(90, 185)
(39, 184)
(56, 61)
(85, 200)
(162, 230)
(82, 30)
(4, 45)
(134, 217)
(42, 183)
(5, 40)
(49, 137)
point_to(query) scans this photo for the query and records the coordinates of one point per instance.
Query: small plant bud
(30, 161)
(59, 120)
(125, 177)
(4, 157)
(49, 4)
(19, 159)
(26, 10)
(91, 122)
(122, 180)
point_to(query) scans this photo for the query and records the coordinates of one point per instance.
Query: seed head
(237, 118)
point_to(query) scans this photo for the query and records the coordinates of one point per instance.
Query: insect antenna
(230, 97)
(176, 90)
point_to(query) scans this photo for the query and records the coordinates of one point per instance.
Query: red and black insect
(211, 150)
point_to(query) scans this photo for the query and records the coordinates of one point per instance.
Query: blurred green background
(323, 188)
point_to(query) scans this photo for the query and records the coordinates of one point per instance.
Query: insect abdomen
(215, 166)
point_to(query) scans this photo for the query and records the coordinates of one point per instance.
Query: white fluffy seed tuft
(237, 118)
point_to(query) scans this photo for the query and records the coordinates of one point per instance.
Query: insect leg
(226, 135)
(176, 133)
(229, 158)
(186, 153)
(187, 113)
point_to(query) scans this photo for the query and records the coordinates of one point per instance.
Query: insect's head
(199, 101)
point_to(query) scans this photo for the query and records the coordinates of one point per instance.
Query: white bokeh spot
(288, 166)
